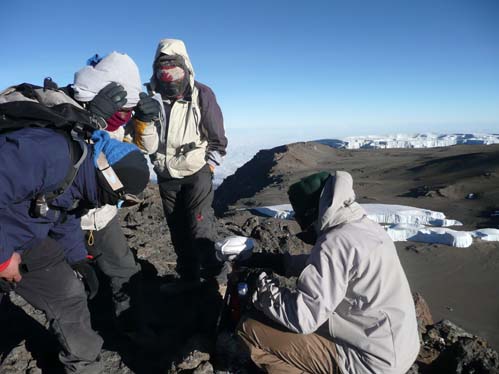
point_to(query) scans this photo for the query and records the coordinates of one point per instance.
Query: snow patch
(406, 223)
(489, 235)
(283, 211)
(433, 235)
(384, 213)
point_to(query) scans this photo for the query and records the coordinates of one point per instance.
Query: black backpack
(28, 105)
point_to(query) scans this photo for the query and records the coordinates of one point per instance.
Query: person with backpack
(192, 144)
(49, 175)
(106, 241)
(351, 311)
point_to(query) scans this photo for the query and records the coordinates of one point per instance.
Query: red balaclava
(118, 119)
(172, 77)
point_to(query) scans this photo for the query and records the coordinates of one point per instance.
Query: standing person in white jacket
(352, 309)
(192, 143)
(106, 241)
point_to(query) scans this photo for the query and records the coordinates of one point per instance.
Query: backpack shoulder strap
(41, 204)
(78, 152)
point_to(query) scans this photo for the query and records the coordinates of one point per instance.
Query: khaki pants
(280, 351)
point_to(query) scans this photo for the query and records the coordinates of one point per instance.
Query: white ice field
(406, 223)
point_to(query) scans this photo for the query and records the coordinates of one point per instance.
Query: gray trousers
(116, 261)
(189, 214)
(49, 284)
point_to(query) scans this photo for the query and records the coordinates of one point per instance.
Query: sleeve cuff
(214, 158)
(4, 265)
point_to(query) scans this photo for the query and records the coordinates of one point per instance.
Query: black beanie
(305, 195)
(126, 159)
(133, 172)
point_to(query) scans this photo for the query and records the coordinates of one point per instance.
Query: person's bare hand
(11, 272)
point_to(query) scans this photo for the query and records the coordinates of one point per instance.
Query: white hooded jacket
(352, 289)
(195, 120)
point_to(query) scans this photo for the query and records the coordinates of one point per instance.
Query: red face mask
(172, 81)
(118, 119)
(170, 74)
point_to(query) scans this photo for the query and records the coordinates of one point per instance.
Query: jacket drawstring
(90, 239)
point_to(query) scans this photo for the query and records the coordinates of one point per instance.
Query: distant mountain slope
(428, 178)
(241, 150)
(270, 168)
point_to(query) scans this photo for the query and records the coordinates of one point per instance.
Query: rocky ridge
(185, 341)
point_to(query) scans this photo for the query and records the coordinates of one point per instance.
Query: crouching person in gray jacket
(352, 310)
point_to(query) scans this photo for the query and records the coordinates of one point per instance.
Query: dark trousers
(117, 262)
(49, 284)
(189, 214)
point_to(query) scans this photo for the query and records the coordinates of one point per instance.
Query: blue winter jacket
(35, 160)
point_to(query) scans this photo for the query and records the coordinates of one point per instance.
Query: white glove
(234, 247)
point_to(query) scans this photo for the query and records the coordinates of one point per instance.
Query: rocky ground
(185, 340)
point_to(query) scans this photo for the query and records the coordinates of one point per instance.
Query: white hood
(173, 47)
(115, 67)
(337, 203)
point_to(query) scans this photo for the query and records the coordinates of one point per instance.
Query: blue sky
(287, 69)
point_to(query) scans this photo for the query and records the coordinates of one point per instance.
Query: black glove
(86, 273)
(147, 108)
(265, 260)
(108, 101)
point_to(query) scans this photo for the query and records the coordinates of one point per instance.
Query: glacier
(421, 140)
(405, 223)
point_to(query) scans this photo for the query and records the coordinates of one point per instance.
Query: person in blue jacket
(39, 251)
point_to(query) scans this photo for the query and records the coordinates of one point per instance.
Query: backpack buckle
(41, 207)
(49, 84)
